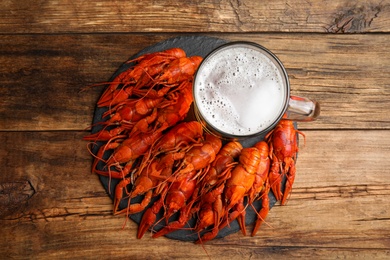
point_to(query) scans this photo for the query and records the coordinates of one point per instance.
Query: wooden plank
(67, 214)
(343, 158)
(42, 75)
(195, 16)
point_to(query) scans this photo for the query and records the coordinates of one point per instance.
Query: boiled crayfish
(283, 152)
(145, 144)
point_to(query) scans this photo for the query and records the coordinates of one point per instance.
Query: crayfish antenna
(304, 137)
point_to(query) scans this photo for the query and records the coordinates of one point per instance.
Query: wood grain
(52, 207)
(339, 205)
(347, 75)
(194, 16)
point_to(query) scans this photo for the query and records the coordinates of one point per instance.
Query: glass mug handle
(302, 109)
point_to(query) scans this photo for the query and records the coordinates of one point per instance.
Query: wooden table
(336, 52)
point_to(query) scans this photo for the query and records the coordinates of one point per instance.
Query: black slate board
(193, 46)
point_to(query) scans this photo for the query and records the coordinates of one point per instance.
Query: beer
(240, 90)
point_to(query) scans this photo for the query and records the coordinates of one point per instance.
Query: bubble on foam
(241, 95)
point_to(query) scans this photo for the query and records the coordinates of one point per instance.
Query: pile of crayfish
(145, 143)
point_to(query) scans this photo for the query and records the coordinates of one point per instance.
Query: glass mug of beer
(242, 90)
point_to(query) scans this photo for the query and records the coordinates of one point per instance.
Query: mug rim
(274, 59)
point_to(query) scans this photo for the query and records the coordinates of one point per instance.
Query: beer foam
(239, 90)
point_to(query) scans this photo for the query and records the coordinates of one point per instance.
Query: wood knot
(355, 19)
(14, 197)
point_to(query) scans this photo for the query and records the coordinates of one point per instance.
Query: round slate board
(193, 46)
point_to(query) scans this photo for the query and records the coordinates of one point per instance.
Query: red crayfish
(283, 151)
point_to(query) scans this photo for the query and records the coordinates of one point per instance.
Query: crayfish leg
(275, 179)
(185, 215)
(289, 183)
(137, 207)
(208, 236)
(237, 213)
(263, 211)
(119, 193)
